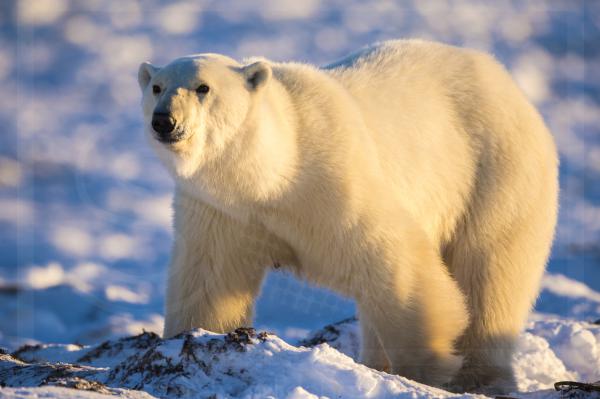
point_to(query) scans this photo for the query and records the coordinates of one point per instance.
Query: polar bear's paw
(490, 381)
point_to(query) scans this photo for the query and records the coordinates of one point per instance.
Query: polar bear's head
(194, 106)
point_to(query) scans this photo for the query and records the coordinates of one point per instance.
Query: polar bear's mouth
(172, 138)
(177, 141)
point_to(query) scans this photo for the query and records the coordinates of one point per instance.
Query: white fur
(412, 176)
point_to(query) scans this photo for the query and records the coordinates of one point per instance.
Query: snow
(49, 392)
(45, 276)
(563, 286)
(200, 364)
(246, 364)
(550, 350)
(576, 344)
(40, 12)
(85, 206)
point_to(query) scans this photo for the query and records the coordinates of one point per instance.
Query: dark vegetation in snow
(162, 367)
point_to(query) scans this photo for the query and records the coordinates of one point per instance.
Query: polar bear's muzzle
(164, 125)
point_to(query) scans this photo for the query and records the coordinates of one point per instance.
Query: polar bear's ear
(145, 73)
(257, 74)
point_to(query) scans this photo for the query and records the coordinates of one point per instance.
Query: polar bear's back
(408, 85)
(400, 62)
(402, 89)
(442, 118)
(404, 77)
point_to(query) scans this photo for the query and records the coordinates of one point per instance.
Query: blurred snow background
(84, 204)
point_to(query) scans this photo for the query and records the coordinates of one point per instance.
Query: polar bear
(412, 176)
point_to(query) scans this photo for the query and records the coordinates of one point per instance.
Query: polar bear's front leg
(217, 266)
(371, 350)
(416, 308)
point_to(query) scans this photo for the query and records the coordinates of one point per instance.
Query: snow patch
(564, 286)
(241, 364)
(41, 12)
(45, 276)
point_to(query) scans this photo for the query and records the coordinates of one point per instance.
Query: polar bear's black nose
(163, 123)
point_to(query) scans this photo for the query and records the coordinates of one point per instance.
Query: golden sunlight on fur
(412, 176)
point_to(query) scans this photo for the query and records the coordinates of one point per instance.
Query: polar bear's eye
(156, 89)
(202, 89)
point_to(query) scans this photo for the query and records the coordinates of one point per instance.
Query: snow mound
(550, 350)
(241, 364)
(247, 364)
(575, 343)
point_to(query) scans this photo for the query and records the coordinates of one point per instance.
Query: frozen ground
(84, 205)
(250, 365)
